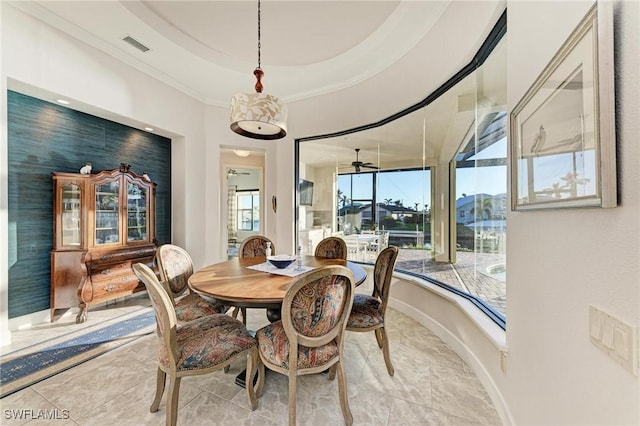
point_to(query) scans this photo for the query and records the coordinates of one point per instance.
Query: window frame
(495, 36)
(255, 194)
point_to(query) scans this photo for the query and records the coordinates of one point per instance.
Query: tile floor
(431, 385)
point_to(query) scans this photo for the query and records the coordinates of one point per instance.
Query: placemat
(290, 271)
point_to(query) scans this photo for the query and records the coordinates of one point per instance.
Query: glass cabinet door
(136, 212)
(107, 210)
(71, 223)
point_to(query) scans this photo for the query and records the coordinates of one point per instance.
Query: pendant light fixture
(258, 115)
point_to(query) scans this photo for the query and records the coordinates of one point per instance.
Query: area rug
(32, 364)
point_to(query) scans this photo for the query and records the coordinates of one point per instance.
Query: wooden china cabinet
(103, 224)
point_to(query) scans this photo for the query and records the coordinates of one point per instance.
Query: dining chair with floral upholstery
(368, 312)
(332, 248)
(309, 337)
(197, 347)
(253, 246)
(176, 267)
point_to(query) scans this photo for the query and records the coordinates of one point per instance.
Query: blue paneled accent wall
(43, 138)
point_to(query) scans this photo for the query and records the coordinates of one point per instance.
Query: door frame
(224, 201)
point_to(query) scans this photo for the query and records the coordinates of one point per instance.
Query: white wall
(41, 62)
(562, 261)
(277, 182)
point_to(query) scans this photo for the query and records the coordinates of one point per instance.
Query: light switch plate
(614, 337)
(595, 326)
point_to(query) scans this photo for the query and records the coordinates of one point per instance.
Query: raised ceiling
(208, 49)
(355, 61)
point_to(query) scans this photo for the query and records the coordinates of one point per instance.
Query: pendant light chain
(258, 71)
(259, 45)
(258, 115)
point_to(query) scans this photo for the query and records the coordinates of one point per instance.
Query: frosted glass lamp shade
(258, 116)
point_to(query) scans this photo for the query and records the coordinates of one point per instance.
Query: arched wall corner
(284, 218)
(479, 341)
(178, 192)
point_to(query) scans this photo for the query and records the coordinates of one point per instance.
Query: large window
(397, 201)
(355, 194)
(432, 181)
(480, 212)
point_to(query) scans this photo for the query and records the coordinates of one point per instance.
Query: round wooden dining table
(233, 283)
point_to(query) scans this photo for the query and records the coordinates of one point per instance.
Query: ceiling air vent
(135, 43)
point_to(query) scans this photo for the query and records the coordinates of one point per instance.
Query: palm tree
(482, 209)
(387, 201)
(416, 215)
(487, 205)
(427, 214)
(342, 198)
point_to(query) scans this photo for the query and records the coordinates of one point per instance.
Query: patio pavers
(470, 273)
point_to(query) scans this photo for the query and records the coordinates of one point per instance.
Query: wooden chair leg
(332, 372)
(261, 378)
(244, 314)
(172, 400)
(385, 350)
(160, 381)
(379, 337)
(292, 398)
(252, 367)
(344, 397)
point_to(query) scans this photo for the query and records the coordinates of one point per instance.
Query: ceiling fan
(359, 164)
(233, 172)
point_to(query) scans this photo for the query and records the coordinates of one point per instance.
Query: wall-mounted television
(306, 192)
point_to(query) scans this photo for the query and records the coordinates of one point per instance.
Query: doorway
(242, 204)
